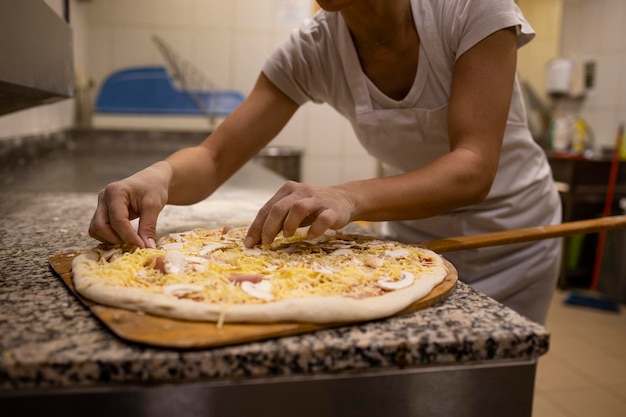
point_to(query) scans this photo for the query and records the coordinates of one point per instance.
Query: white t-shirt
(309, 65)
(319, 63)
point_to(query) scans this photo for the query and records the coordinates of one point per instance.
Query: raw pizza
(209, 275)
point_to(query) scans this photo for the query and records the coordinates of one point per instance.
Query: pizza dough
(208, 275)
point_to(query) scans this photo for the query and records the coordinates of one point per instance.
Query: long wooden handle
(526, 235)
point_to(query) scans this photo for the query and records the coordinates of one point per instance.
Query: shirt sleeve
(295, 67)
(474, 20)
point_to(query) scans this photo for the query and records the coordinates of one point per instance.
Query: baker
(431, 91)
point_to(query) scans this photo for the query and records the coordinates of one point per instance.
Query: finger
(148, 223)
(99, 227)
(253, 237)
(104, 233)
(266, 225)
(301, 213)
(325, 220)
(275, 220)
(256, 228)
(119, 219)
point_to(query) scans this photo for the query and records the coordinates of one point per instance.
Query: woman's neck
(377, 23)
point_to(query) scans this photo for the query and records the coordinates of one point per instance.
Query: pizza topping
(176, 237)
(180, 290)
(197, 263)
(261, 289)
(373, 262)
(158, 264)
(210, 247)
(322, 269)
(253, 251)
(294, 267)
(111, 254)
(406, 279)
(174, 262)
(238, 279)
(342, 252)
(173, 246)
(343, 246)
(397, 253)
(196, 259)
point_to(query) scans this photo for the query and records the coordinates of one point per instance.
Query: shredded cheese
(295, 267)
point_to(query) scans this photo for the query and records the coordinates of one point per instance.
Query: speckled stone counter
(50, 342)
(48, 339)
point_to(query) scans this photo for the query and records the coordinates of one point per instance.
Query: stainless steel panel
(501, 389)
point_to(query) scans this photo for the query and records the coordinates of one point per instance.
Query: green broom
(592, 298)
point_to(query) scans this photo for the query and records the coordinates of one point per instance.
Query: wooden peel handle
(526, 235)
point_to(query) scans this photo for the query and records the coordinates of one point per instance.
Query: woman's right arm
(190, 174)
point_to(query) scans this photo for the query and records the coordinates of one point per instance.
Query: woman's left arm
(480, 98)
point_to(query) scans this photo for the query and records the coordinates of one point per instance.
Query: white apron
(522, 276)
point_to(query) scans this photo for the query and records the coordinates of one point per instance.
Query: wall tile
(322, 170)
(180, 42)
(250, 53)
(174, 13)
(254, 15)
(100, 12)
(132, 12)
(608, 77)
(592, 27)
(215, 14)
(352, 146)
(213, 56)
(572, 22)
(614, 30)
(99, 52)
(132, 47)
(294, 133)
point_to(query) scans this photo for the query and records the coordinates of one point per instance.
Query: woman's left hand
(296, 205)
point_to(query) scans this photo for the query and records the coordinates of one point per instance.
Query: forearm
(193, 176)
(458, 179)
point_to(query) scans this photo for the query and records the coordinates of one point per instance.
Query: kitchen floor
(584, 373)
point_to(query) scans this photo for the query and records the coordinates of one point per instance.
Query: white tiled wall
(595, 30)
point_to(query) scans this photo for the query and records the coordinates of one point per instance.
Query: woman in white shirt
(430, 89)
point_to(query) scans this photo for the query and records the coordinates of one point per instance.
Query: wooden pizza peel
(163, 332)
(526, 235)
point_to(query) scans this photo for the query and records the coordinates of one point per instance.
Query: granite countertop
(49, 339)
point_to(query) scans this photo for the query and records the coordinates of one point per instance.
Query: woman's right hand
(142, 195)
